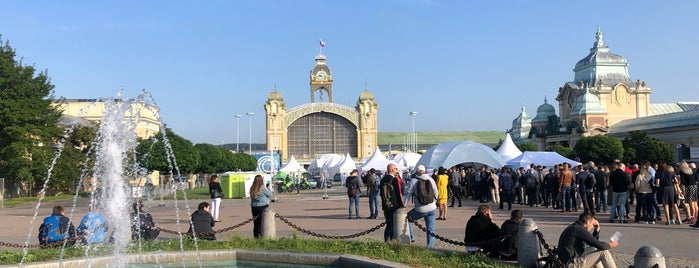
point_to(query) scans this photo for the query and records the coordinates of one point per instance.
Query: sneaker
(694, 226)
(652, 222)
(624, 221)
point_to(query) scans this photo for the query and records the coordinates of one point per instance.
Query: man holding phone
(579, 243)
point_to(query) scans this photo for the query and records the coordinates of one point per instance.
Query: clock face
(321, 75)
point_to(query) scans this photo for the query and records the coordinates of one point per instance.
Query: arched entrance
(322, 133)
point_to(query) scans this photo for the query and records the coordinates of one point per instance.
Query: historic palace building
(92, 110)
(601, 97)
(321, 126)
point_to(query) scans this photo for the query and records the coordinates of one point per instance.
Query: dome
(543, 112)
(366, 95)
(522, 119)
(601, 65)
(275, 95)
(599, 54)
(588, 103)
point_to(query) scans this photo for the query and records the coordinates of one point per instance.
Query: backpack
(49, 231)
(425, 192)
(388, 193)
(531, 180)
(590, 181)
(376, 184)
(351, 190)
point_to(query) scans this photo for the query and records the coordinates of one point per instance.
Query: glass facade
(322, 133)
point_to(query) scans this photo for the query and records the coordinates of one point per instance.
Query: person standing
(619, 180)
(689, 180)
(666, 180)
(373, 194)
(424, 191)
(644, 192)
(353, 191)
(391, 199)
(202, 223)
(567, 178)
(576, 238)
(216, 194)
(442, 182)
(259, 200)
(56, 228)
(455, 185)
(93, 227)
(506, 184)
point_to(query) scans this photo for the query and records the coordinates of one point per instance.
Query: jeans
(215, 205)
(388, 231)
(619, 200)
(429, 223)
(601, 197)
(354, 201)
(257, 228)
(455, 194)
(644, 204)
(374, 205)
(567, 201)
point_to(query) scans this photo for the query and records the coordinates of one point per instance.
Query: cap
(421, 168)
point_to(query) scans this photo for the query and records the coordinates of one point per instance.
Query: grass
(410, 255)
(485, 137)
(12, 202)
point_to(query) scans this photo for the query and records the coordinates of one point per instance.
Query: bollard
(528, 251)
(648, 256)
(400, 227)
(269, 229)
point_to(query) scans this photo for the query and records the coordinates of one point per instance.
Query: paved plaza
(329, 216)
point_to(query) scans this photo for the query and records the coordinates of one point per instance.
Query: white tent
(378, 162)
(508, 149)
(318, 163)
(546, 159)
(451, 153)
(408, 160)
(332, 162)
(344, 168)
(293, 166)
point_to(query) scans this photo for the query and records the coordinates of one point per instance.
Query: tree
(639, 147)
(74, 159)
(28, 123)
(560, 149)
(527, 146)
(600, 149)
(214, 159)
(154, 155)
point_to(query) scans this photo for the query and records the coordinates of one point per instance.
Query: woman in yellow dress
(442, 181)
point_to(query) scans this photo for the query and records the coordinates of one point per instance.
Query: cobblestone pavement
(329, 216)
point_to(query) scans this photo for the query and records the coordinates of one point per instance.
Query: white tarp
(508, 150)
(408, 160)
(293, 166)
(451, 153)
(546, 159)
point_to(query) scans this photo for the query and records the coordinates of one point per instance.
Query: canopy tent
(408, 160)
(293, 166)
(451, 153)
(345, 167)
(378, 162)
(546, 159)
(508, 149)
(332, 162)
(318, 163)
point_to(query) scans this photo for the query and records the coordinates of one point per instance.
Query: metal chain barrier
(296, 227)
(548, 248)
(215, 232)
(493, 241)
(68, 241)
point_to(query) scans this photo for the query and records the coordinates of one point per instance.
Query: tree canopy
(639, 147)
(600, 149)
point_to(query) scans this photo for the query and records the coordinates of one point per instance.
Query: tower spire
(599, 39)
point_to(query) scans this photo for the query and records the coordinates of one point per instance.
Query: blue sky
(462, 65)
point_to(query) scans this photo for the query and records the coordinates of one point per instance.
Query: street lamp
(250, 114)
(237, 132)
(414, 138)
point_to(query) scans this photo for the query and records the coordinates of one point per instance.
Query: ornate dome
(522, 119)
(366, 95)
(601, 65)
(544, 111)
(588, 103)
(275, 95)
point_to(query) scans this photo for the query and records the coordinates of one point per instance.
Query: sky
(461, 65)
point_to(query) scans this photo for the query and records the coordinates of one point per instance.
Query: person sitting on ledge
(481, 228)
(583, 248)
(202, 223)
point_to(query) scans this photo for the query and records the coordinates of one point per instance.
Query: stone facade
(92, 109)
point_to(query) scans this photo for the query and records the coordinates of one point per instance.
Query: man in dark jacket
(576, 238)
(202, 222)
(142, 225)
(481, 228)
(619, 180)
(390, 206)
(509, 228)
(506, 187)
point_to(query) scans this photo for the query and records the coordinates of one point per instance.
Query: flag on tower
(322, 44)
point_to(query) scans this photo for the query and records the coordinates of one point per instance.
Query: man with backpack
(424, 191)
(531, 184)
(56, 228)
(353, 191)
(372, 185)
(391, 199)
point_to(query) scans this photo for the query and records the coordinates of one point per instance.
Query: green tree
(638, 147)
(560, 149)
(214, 159)
(28, 122)
(600, 149)
(154, 155)
(527, 146)
(74, 159)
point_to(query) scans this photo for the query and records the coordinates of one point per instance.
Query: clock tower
(321, 81)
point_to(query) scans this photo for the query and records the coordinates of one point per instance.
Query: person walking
(216, 194)
(353, 191)
(259, 200)
(424, 191)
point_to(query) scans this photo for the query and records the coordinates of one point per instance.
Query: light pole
(414, 138)
(250, 114)
(237, 132)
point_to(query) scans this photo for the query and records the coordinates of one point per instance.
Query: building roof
(615, 67)
(588, 103)
(544, 111)
(666, 108)
(668, 120)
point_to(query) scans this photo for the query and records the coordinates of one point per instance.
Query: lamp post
(237, 132)
(413, 137)
(250, 114)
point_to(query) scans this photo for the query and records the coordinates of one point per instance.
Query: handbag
(216, 193)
